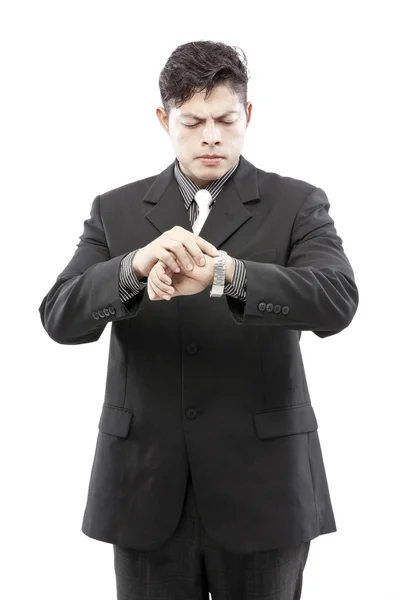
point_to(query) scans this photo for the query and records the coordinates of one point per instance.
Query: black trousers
(190, 566)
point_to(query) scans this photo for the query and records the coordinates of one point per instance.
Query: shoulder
(124, 197)
(139, 186)
(290, 187)
(291, 193)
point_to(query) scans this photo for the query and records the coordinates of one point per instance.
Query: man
(208, 475)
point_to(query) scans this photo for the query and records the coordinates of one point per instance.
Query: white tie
(203, 199)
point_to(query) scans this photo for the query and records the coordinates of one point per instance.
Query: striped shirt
(130, 285)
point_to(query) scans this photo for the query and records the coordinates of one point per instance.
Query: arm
(237, 287)
(316, 290)
(85, 296)
(129, 283)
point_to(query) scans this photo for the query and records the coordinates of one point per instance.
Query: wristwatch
(218, 285)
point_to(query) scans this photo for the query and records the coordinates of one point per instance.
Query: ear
(162, 117)
(248, 112)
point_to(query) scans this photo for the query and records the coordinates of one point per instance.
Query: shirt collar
(189, 188)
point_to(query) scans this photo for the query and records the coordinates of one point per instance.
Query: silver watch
(218, 285)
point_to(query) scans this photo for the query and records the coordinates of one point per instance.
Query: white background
(79, 94)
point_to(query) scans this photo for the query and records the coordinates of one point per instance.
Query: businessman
(208, 475)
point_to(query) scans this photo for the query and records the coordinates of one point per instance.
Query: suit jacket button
(285, 310)
(270, 307)
(112, 310)
(101, 314)
(191, 413)
(261, 306)
(277, 308)
(95, 315)
(106, 312)
(191, 348)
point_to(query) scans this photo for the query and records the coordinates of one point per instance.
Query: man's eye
(224, 122)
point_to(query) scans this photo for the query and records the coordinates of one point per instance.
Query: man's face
(213, 126)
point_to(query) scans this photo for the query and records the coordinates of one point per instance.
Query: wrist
(230, 263)
(219, 278)
(135, 266)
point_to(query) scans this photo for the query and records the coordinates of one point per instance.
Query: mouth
(211, 159)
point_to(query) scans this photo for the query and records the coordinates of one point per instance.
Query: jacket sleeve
(316, 291)
(129, 284)
(237, 288)
(86, 294)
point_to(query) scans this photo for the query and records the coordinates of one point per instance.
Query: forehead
(221, 101)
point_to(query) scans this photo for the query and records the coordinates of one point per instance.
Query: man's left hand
(186, 283)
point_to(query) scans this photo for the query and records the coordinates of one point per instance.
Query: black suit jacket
(214, 383)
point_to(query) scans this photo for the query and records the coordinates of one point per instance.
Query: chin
(208, 173)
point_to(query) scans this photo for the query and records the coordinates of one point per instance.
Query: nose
(211, 134)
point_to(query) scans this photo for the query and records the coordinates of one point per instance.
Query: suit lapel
(228, 214)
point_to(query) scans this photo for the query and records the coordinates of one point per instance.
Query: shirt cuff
(238, 287)
(129, 284)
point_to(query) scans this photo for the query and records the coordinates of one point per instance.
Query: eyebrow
(231, 112)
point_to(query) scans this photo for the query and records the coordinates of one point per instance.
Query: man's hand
(163, 283)
(175, 248)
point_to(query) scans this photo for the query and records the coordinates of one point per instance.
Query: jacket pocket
(115, 420)
(267, 255)
(290, 420)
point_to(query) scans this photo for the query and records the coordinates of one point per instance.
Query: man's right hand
(177, 248)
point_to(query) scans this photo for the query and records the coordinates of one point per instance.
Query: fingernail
(202, 261)
(189, 266)
(177, 270)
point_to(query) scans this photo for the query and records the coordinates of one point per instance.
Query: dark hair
(199, 66)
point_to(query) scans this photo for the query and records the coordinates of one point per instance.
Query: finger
(154, 281)
(157, 282)
(168, 271)
(162, 272)
(179, 250)
(168, 258)
(151, 293)
(193, 246)
(150, 290)
(160, 293)
(205, 246)
(195, 252)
